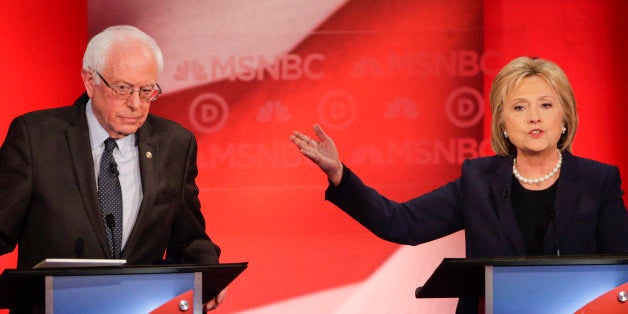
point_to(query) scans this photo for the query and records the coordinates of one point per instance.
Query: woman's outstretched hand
(322, 152)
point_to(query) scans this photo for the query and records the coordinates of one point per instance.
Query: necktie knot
(110, 144)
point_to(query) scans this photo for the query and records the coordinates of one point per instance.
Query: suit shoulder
(590, 165)
(45, 119)
(163, 125)
(64, 113)
(487, 163)
(45, 114)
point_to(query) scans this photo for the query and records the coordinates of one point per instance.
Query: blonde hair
(509, 77)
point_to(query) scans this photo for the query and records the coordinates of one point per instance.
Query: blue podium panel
(129, 293)
(548, 289)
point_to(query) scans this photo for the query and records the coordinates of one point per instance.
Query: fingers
(213, 303)
(318, 131)
(307, 146)
(302, 141)
(323, 152)
(316, 151)
(210, 306)
(221, 296)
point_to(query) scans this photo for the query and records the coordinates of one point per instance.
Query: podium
(532, 284)
(122, 289)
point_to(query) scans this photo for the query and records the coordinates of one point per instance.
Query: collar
(98, 135)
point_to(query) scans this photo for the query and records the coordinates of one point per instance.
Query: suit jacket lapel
(501, 186)
(148, 153)
(565, 203)
(77, 135)
(567, 192)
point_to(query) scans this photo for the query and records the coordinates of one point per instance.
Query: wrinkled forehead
(132, 61)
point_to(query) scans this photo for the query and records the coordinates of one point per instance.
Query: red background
(265, 205)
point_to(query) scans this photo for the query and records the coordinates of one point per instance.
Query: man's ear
(88, 81)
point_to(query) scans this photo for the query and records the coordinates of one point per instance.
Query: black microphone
(506, 195)
(552, 219)
(113, 167)
(111, 223)
(417, 291)
(79, 247)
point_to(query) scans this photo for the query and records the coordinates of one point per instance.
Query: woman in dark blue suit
(533, 198)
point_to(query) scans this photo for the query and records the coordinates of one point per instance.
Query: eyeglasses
(123, 91)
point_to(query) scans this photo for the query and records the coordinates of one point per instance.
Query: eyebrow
(544, 97)
(154, 85)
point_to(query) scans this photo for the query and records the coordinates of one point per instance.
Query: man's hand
(215, 302)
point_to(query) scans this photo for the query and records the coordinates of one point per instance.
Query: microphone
(79, 247)
(552, 219)
(111, 223)
(506, 195)
(113, 167)
(417, 291)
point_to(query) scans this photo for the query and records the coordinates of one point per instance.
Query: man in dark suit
(53, 162)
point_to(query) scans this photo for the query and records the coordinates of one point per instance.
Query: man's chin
(123, 132)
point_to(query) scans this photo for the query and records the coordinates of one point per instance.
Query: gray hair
(97, 51)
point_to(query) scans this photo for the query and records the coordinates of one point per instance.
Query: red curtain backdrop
(588, 40)
(398, 84)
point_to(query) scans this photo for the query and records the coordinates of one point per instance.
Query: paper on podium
(78, 262)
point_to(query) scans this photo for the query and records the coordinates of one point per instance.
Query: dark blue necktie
(110, 197)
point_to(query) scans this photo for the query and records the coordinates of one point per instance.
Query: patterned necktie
(110, 197)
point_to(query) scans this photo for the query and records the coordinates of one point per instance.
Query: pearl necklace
(540, 180)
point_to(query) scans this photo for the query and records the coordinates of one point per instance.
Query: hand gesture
(322, 152)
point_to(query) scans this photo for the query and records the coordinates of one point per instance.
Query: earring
(505, 134)
(564, 130)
